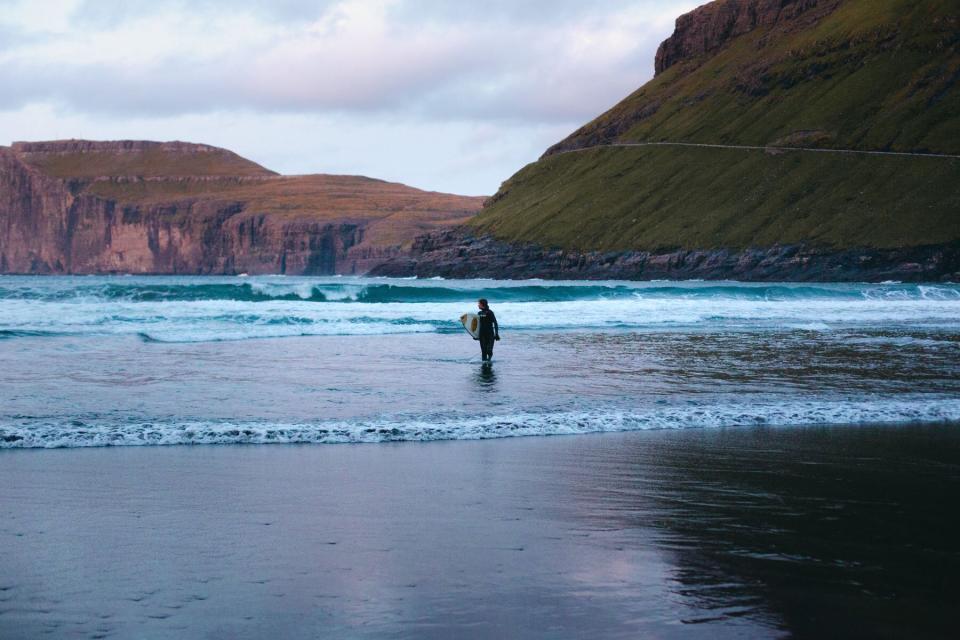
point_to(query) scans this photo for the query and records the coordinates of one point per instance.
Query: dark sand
(812, 532)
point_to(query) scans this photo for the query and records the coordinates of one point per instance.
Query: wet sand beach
(749, 532)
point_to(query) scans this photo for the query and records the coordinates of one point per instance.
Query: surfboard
(471, 322)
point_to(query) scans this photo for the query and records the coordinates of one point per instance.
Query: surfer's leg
(486, 347)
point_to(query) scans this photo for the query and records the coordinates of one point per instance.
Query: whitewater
(128, 360)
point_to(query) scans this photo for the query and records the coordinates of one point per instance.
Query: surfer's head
(482, 303)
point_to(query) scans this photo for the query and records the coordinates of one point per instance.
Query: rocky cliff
(146, 207)
(712, 26)
(459, 253)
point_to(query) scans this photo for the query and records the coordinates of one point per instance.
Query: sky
(446, 95)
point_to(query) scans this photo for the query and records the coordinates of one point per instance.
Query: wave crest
(356, 290)
(45, 433)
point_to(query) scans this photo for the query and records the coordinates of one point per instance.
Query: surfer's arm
(496, 325)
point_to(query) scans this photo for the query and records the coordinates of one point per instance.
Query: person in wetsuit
(489, 329)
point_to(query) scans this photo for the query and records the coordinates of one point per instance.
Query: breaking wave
(270, 289)
(41, 433)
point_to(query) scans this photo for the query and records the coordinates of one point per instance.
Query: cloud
(116, 12)
(418, 56)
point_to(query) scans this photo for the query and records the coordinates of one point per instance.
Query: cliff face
(145, 207)
(710, 27)
(33, 210)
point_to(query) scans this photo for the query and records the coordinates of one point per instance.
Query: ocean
(123, 360)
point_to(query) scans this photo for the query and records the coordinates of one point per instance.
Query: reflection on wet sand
(486, 377)
(840, 532)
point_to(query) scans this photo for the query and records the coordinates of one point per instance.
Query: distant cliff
(80, 206)
(784, 139)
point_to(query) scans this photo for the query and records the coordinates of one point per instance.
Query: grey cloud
(180, 85)
(486, 74)
(524, 12)
(531, 12)
(112, 13)
(11, 38)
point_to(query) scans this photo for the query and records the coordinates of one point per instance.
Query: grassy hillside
(869, 75)
(653, 198)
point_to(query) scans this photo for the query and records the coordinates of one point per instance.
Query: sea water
(122, 360)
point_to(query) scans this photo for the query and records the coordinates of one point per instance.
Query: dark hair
(484, 302)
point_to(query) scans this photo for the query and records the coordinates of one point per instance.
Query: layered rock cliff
(712, 26)
(147, 207)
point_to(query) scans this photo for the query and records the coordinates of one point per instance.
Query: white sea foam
(38, 433)
(810, 326)
(230, 320)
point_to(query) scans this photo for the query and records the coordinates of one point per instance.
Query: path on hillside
(761, 148)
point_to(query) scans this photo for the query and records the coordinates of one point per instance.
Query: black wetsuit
(489, 333)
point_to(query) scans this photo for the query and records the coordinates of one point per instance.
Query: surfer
(489, 329)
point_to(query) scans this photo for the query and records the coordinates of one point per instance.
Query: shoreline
(76, 434)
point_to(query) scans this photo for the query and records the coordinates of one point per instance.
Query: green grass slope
(661, 198)
(870, 75)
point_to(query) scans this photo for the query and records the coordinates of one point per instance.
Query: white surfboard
(471, 322)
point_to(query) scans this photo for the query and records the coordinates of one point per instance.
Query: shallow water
(91, 361)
